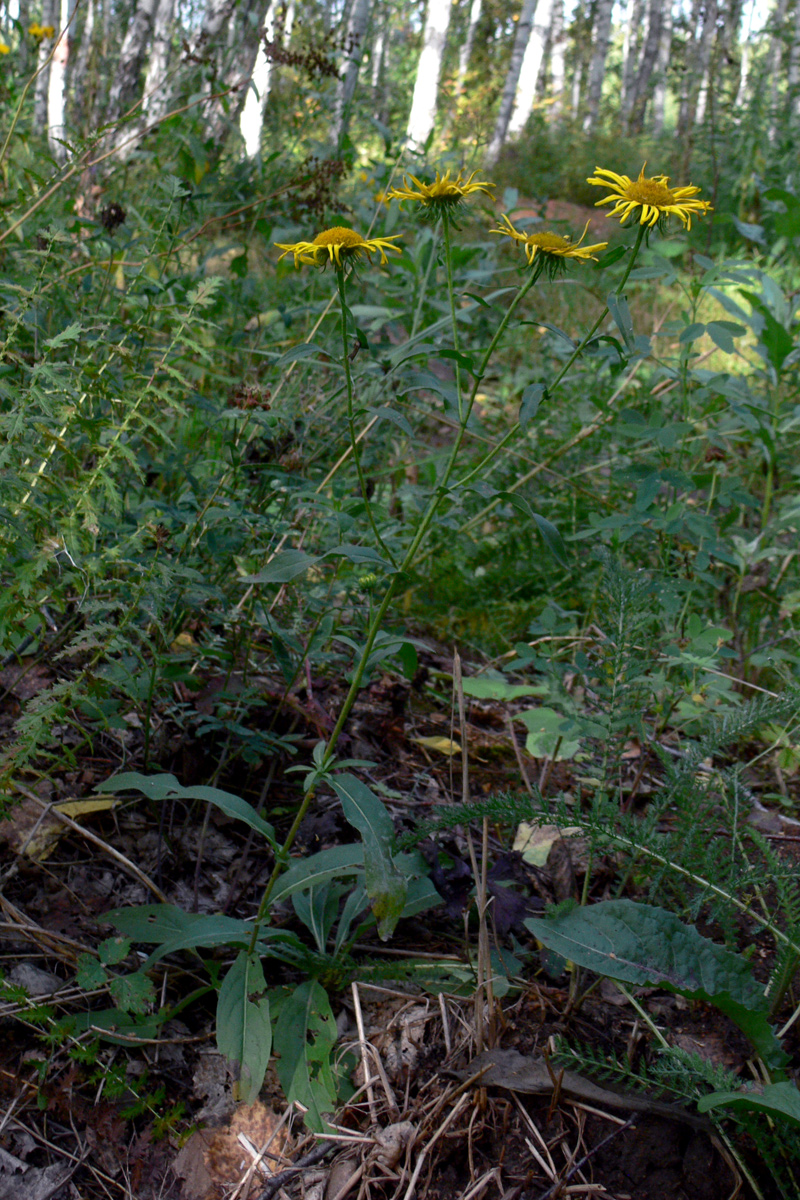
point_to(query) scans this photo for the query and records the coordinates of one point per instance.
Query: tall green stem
(514, 430)
(351, 419)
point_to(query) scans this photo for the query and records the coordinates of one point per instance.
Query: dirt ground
(84, 1116)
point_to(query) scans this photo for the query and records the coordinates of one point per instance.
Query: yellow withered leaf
(442, 745)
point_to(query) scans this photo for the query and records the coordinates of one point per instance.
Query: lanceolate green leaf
(642, 944)
(335, 863)
(244, 1031)
(164, 787)
(173, 929)
(779, 1100)
(305, 1034)
(386, 886)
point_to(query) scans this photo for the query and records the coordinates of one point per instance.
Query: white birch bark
(465, 53)
(777, 21)
(705, 59)
(647, 65)
(78, 72)
(794, 67)
(125, 85)
(156, 88)
(662, 64)
(558, 73)
(597, 66)
(57, 86)
(531, 66)
(631, 55)
(518, 51)
(41, 87)
(426, 87)
(251, 121)
(354, 50)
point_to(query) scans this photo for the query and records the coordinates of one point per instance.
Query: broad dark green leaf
(642, 944)
(244, 1030)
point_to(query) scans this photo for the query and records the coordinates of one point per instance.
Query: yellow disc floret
(650, 198)
(337, 245)
(550, 246)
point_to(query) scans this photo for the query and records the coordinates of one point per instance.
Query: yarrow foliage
(339, 246)
(549, 251)
(650, 198)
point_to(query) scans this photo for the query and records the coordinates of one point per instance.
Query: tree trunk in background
(531, 66)
(631, 57)
(156, 88)
(521, 39)
(662, 65)
(777, 23)
(558, 75)
(354, 53)
(426, 88)
(125, 87)
(57, 86)
(465, 53)
(251, 121)
(689, 81)
(706, 57)
(232, 60)
(597, 66)
(49, 17)
(640, 86)
(78, 73)
(794, 68)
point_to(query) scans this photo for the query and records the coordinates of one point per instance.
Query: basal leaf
(163, 787)
(173, 929)
(779, 1100)
(305, 1035)
(642, 944)
(244, 1030)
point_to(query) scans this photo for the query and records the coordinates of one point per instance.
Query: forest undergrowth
(273, 440)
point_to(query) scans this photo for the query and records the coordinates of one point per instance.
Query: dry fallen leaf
(215, 1160)
(534, 842)
(443, 745)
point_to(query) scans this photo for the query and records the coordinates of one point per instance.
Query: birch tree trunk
(777, 21)
(354, 53)
(705, 63)
(662, 65)
(57, 87)
(521, 40)
(794, 69)
(78, 73)
(631, 57)
(426, 87)
(531, 66)
(465, 53)
(647, 64)
(156, 89)
(558, 74)
(40, 104)
(251, 121)
(688, 93)
(597, 66)
(126, 83)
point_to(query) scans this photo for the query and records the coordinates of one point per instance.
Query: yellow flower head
(442, 197)
(551, 249)
(337, 245)
(651, 198)
(4, 49)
